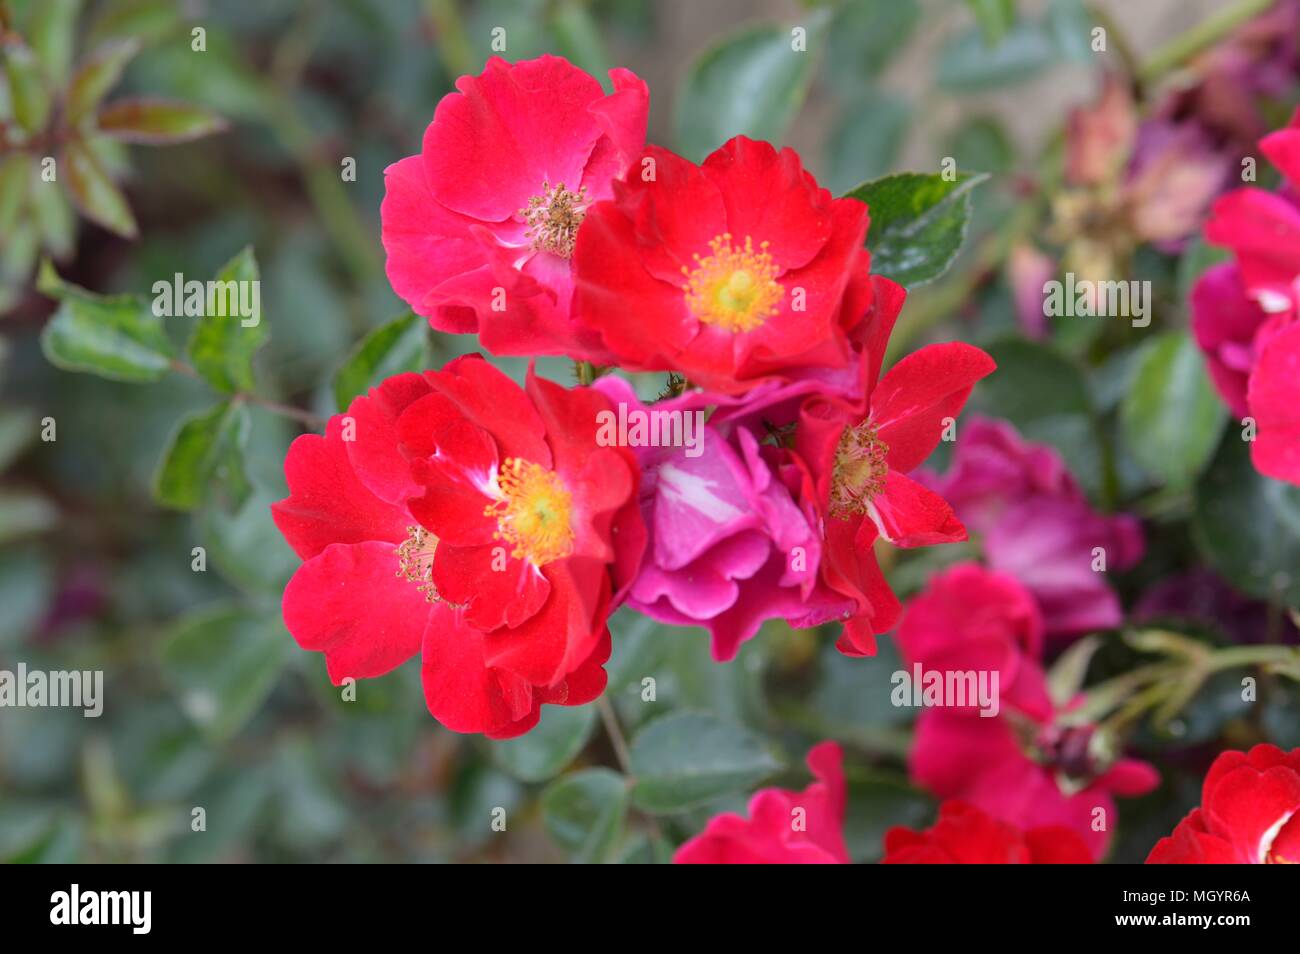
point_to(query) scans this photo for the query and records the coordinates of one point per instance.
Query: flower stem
(615, 732)
(1205, 34)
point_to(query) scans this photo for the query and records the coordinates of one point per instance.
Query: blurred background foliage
(208, 702)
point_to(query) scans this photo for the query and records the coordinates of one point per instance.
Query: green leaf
(52, 32)
(223, 342)
(246, 547)
(639, 644)
(981, 143)
(752, 83)
(1171, 417)
(918, 223)
(15, 179)
(584, 813)
(146, 20)
(1248, 526)
(116, 337)
(204, 457)
(864, 36)
(394, 347)
(686, 759)
(156, 122)
(995, 18)
(967, 63)
(94, 193)
(1070, 25)
(28, 90)
(222, 663)
(17, 430)
(98, 74)
(54, 217)
(560, 734)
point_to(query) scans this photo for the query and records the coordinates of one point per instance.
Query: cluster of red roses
(1249, 814)
(453, 514)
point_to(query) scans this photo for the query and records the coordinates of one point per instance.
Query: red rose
(1249, 813)
(860, 463)
(734, 272)
(479, 228)
(964, 835)
(783, 827)
(455, 515)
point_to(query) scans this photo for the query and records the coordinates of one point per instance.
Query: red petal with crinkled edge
(910, 515)
(327, 503)
(492, 143)
(375, 454)
(490, 399)
(768, 195)
(495, 588)
(1263, 230)
(457, 485)
(912, 400)
(417, 231)
(461, 690)
(348, 603)
(555, 640)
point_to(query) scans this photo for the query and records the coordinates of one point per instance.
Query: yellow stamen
(734, 288)
(553, 218)
(533, 513)
(859, 472)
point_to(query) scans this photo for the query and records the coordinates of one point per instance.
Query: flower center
(415, 561)
(533, 512)
(859, 472)
(735, 287)
(553, 218)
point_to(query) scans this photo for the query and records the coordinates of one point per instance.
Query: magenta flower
(1024, 765)
(732, 542)
(1246, 312)
(1036, 525)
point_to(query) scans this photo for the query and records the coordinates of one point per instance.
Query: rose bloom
(732, 539)
(783, 827)
(479, 228)
(1245, 313)
(964, 835)
(1249, 813)
(456, 515)
(1027, 765)
(1036, 525)
(734, 272)
(859, 463)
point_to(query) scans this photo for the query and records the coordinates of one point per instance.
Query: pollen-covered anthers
(553, 218)
(735, 288)
(415, 561)
(533, 512)
(859, 472)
